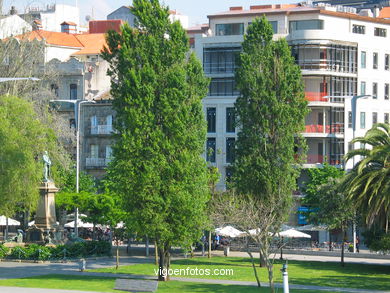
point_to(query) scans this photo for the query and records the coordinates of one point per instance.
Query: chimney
(236, 8)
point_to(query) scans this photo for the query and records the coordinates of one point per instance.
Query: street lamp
(77, 107)
(354, 111)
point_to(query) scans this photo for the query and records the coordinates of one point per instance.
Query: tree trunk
(209, 248)
(261, 259)
(254, 267)
(117, 255)
(164, 263)
(155, 252)
(271, 277)
(342, 247)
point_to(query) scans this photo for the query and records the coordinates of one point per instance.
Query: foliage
(75, 250)
(318, 177)
(377, 240)
(368, 182)
(23, 138)
(270, 115)
(157, 167)
(3, 251)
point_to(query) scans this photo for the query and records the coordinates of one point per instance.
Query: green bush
(3, 251)
(377, 240)
(18, 253)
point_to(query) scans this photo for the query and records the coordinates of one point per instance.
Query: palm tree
(368, 184)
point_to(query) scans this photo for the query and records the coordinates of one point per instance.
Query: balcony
(335, 159)
(317, 96)
(328, 129)
(102, 130)
(97, 162)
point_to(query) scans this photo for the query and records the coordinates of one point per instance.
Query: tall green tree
(157, 167)
(368, 184)
(23, 140)
(270, 115)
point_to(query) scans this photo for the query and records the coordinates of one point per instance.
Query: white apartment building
(341, 55)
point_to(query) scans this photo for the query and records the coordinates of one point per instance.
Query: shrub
(3, 251)
(18, 253)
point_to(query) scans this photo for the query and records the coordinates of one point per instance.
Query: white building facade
(341, 55)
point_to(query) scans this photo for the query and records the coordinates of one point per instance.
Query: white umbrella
(80, 224)
(33, 223)
(292, 233)
(11, 222)
(228, 231)
(312, 228)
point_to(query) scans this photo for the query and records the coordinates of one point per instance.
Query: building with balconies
(341, 55)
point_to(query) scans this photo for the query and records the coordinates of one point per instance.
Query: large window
(362, 120)
(375, 60)
(350, 119)
(223, 87)
(380, 32)
(210, 149)
(54, 88)
(386, 91)
(374, 90)
(230, 121)
(312, 24)
(211, 119)
(374, 118)
(387, 61)
(358, 29)
(73, 91)
(363, 59)
(230, 141)
(363, 88)
(228, 29)
(94, 151)
(220, 60)
(274, 25)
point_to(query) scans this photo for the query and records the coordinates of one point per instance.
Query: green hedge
(39, 252)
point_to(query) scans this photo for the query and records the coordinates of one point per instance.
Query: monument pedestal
(45, 228)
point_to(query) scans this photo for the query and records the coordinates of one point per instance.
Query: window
(54, 88)
(230, 120)
(210, 150)
(350, 119)
(387, 61)
(350, 146)
(374, 118)
(211, 122)
(73, 91)
(94, 125)
(362, 120)
(363, 88)
(72, 123)
(229, 29)
(274, 25)
(380, 32)
(223, 87)
(358, 29)
(108, 152)
(374, 90)
(312, 24)
(386, 118)
(363, 59)
(229, 175)
(230, 150)
(375, 60)
(220, 60)
(94, 151)
(386, 91)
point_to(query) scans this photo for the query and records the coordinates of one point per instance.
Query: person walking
(357, 244)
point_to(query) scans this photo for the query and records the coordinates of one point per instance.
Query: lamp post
(354, 112)
(77, 108)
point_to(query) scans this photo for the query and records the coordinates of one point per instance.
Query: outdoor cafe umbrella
(312, 228)
(80, 224)
(11, 222)
(291, 233)
(228, 231)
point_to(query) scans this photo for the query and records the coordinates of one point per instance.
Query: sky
(197, 10)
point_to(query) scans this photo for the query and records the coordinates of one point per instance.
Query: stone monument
(45, 228)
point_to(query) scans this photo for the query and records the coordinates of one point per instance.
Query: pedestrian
(357, 244)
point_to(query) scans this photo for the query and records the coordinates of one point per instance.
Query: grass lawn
(87, 283)
(300, 272)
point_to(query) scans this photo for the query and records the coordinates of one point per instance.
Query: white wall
(13, 25)
(51, 20)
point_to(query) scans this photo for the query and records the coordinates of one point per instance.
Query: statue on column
(46, 168)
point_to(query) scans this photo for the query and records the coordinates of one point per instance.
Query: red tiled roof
(92, 43)
(68, 23)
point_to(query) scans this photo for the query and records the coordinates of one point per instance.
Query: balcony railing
(326, 65)
(219, 67)
(101, 129)
(319, 128)
(336, 159)
(97, 162)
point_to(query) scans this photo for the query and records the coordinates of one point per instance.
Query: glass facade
(310, 24)
(229, 29)
(210, 149)
(220, 60)
(211, 119)
(230, 151)
(223, 87)
(230, 120)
